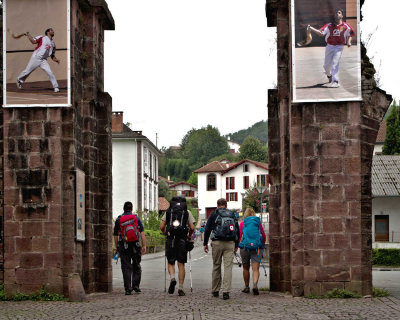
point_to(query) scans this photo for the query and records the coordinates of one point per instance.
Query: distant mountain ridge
(258, 130)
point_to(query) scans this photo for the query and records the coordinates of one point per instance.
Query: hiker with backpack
(223, 227)
(252, 239)
(128, 231)
(178, 225)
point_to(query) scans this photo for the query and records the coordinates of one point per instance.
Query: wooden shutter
(258, 180)
(227, 196)
(233, 182)
(236, 196)
(227, 183)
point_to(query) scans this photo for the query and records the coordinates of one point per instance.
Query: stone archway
(320, 201)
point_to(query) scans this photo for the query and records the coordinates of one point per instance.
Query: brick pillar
(42, 149)
(320, 167)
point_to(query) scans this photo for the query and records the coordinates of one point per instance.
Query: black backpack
(225, 226)
(177, 218)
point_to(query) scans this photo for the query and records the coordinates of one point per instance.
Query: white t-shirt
(45, 47)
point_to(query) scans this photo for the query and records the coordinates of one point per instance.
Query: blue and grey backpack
(252, 237)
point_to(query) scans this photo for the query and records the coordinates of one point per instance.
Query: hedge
(386, 257)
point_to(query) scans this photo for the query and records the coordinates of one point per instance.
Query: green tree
(252, 199)
(391, 144)
(163, 190)
(253, 149)
(193, 178)
(258, 130)
(204, 144)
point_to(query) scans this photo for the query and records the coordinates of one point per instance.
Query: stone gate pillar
(320, 157)
(42, 149)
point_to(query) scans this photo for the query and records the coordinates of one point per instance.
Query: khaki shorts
(248, 255)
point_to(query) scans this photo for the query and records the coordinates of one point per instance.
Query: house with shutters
(386, 201)
(184, 189)
(134, 168)
(222, 179)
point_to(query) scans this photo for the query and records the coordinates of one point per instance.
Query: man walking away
(225, 236)
(178, 225)
(127, 231)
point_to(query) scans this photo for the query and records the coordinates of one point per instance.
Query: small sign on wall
(80, 205)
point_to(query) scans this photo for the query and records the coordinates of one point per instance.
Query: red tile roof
(163, 204)
(217, 166)
(381, 133)
(183, 182)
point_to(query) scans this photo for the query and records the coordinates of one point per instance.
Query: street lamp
(261, 190)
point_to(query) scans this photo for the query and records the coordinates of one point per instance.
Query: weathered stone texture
(320, 157)
(42, 149)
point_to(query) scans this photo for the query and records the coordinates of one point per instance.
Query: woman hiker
(252, 239)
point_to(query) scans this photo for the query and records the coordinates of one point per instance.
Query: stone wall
(320, 167)
(42, 149)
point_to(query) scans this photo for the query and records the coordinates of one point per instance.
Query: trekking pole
(262, 264)
(190, 271)
(165, 273)
(237, 259)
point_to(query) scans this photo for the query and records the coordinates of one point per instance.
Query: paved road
(153, 274)
(153, 303)
(153, 267)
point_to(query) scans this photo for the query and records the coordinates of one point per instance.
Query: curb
(385, 269)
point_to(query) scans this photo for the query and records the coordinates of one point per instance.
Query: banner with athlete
(36, 53)
(326, 56)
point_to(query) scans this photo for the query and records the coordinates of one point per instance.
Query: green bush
(154, 238)
(41, 295)
(386, 257)
(379, 293)
(151, 220)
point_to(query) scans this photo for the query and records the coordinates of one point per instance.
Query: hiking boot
(255, 291)
(225, 295)
(215, 294)
(181, 292)
(172, 285)
(56, 90)
(128, 292)
(136, 289)
(19, 84)
(246, 290)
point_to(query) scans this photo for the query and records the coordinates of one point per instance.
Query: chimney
(117, 121)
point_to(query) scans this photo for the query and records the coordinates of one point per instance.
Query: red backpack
(129, 228)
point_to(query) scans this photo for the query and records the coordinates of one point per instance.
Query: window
(381, 228)
(262, 180)
(145, 195)
(151, 164)
(230, 183)
(150, 197)
(145, 159)
(211, 182)
(188, 193)
(155, 198)
(231, 196)
(245, 168)
(246, 182)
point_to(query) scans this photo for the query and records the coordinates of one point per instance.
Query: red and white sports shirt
(337, 34)
(45, 47)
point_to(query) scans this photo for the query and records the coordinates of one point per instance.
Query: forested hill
(258, 130)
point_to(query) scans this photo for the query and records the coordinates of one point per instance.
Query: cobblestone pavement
(155, 304)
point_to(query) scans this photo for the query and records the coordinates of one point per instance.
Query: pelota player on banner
(45, 48)
(337, 35)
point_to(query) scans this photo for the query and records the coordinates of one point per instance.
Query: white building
(134, 168)
(184, 189)
(380, 139)
(233, 146)
(386, 201)
(221, 179)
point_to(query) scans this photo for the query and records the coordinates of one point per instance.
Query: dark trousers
(130, 264)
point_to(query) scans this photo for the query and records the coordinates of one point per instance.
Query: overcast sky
(173, 65)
